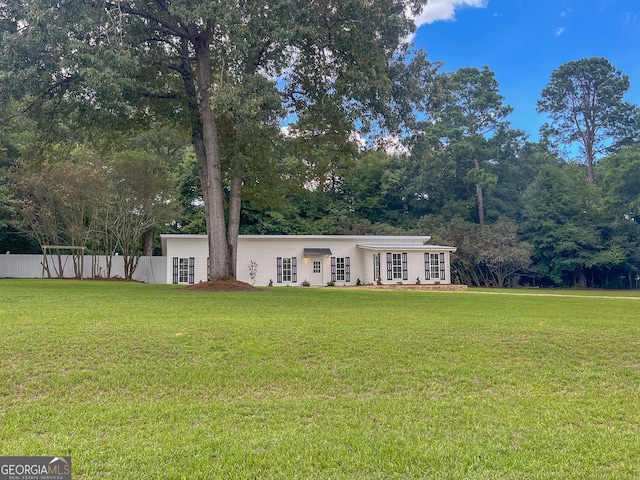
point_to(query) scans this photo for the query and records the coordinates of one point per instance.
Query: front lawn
(152, 381)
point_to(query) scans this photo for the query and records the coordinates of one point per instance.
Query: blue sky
(524, 41)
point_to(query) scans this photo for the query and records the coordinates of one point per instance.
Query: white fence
(149, 270)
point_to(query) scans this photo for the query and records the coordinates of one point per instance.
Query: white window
(183, 271)
(286, 270)
(397, 266)
(396, 263)
(317, 266)
(435, 266)
(340, 269)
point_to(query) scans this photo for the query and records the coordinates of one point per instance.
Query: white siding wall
(415, 267)
(195, 246)
(265, 250)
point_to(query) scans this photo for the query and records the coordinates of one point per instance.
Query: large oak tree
(232, 69)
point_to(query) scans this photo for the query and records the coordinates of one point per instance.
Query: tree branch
(173, 28)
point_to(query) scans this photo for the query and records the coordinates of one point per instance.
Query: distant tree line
(150, 117)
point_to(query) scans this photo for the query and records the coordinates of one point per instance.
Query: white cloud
(566, 12)
(630, 19)
(437, 10)
(559, 31)
(392, 145)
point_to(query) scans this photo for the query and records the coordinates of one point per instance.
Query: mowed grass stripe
(143, 381)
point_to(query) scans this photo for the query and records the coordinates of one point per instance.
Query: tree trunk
(109, 263)
(60, 264)
(210, 167)
(590, 160)
(479, 195)
(589, 141)
(147, 242)
(581, 280)
(233, 227)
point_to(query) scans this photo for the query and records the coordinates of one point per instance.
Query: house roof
(372, 240)
(369, 242)
(405, 247)
(364, 238)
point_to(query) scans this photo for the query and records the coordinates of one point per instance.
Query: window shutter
(405, 267)
(175, 269)
(389, 267)
(375, 270)
(279, 270)
(347, 268)
(294, 269)
(192, 266)
(427, 267)
(333, 269)
(442, 266)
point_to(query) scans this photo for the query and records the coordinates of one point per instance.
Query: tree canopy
(584, 101)
(232, 68)
(169, 116)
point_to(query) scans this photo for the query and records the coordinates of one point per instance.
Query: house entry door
(316, 273)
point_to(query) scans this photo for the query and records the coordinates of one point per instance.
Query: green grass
(151, 382)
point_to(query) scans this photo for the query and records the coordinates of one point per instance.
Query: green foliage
(187, 181)
(78, 197)
(57, 201)
(481, 177)
(140, 197)
(620, 177)
(516, 164)
(475, 105)
(457, 143)
(228, 72)
(584, 103)
(83, 82)
(488, 255)
(367, 186)
(564, 221)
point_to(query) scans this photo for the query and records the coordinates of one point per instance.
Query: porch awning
(317, 252)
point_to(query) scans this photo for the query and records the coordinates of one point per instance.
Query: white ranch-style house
(316, 260)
